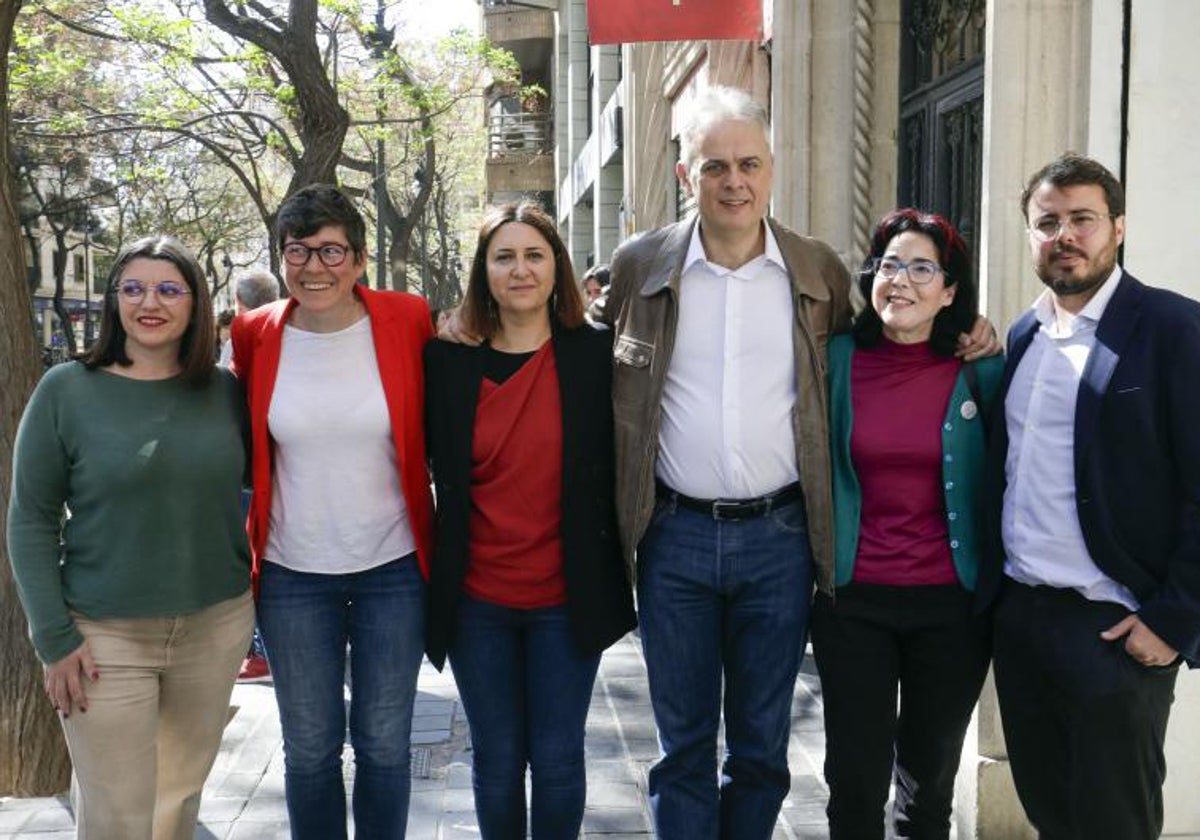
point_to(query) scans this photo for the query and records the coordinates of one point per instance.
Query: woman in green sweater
(128, 549)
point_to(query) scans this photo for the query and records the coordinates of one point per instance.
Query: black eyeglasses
(330, 254)
(168, 292)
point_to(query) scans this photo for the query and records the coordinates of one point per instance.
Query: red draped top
(516, 489)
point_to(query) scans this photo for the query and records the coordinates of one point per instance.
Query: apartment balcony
(520, 153)
(525, 29)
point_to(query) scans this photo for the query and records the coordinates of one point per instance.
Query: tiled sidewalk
(244, 796)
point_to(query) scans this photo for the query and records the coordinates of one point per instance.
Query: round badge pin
(969, 410)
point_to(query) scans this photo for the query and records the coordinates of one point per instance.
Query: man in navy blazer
(1096, 506)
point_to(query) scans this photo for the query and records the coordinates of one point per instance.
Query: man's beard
(1069, 286)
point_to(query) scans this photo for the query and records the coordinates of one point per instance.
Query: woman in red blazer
(341, 518)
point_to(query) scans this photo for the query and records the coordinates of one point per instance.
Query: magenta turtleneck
(899, 394)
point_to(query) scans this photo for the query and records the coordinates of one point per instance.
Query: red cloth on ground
(516, 489)
(899, 394)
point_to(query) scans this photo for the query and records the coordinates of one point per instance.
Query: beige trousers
(153, 726)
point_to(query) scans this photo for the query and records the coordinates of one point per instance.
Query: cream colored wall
(1161, 231)
(1163, 165)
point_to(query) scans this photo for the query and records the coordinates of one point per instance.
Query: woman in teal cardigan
(908, 441)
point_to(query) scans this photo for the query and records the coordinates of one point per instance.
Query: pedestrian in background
(908, 450)
(138, 601)
(341, 517)
(224, 320)
(528, 586)
(251, 290)
(595, 283)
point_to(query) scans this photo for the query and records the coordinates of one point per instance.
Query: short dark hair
(955, 260)
(479, 313)
(600, 272)
(198, 348)
(311, 208)
(225, 317)
(1073, 170)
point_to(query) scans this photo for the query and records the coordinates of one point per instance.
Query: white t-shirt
(336, 505)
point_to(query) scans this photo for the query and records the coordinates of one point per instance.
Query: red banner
(630, 21)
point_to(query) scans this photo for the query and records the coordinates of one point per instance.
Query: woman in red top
(527, 585)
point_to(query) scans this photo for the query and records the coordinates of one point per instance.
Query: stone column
(791, 57)
(1036, 97)
(609, 173)
(1162, 192)
(1053, 81)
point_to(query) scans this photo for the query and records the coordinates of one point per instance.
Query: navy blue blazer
(1137, 457)
(599, 597)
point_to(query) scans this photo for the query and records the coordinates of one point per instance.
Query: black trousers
(869, 642)
(1083, 721)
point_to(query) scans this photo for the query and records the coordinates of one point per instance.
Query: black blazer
(1137, 457)
(599, 599)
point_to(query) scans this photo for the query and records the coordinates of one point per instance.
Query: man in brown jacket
(723, 469)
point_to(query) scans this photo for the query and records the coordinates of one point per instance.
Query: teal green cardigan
(963, 446)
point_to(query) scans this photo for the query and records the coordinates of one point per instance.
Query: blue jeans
(722, 599)
(526, 689)
(306, 621)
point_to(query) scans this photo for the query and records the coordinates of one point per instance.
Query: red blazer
(400, 326)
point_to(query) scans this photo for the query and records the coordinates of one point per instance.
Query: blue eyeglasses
(169, 292)
(919, 272)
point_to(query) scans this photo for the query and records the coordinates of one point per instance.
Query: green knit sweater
(125, 500)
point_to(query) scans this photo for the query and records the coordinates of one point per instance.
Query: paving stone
(615, 821)
(244, 799)
(276, 830)
(459, 801)
(56, 818)
(436, 736)
(603, 794)
(459, 776)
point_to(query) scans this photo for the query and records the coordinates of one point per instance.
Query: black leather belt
(734, 509)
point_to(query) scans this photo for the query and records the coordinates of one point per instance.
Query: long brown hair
(479, 311)
(197, 350)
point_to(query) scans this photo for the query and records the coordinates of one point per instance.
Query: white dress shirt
(1043, 540)
(727, 404)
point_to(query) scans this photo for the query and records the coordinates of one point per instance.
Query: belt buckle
(718, 508)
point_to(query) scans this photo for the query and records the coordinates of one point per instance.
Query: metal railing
(519, 134)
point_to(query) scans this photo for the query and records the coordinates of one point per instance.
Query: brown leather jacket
(642, 309)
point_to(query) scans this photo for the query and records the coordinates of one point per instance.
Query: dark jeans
(868, 641)
(721, 600)
(1083, 721)
(526, 689)
(307, 621)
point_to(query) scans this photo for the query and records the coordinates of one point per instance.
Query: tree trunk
(33, 757)
(402, 225)
(59, 264)
(322, 122)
